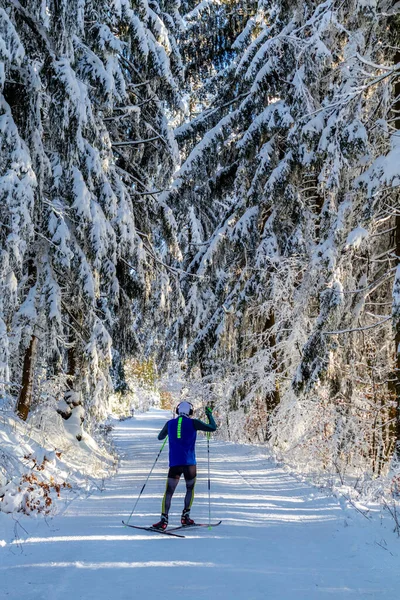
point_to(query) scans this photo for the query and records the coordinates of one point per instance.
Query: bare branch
(385, 320)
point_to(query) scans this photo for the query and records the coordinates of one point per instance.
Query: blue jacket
(182, 434)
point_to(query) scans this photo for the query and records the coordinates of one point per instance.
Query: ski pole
(209, 481)
(148, 477)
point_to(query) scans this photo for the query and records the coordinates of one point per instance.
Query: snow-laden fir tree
(288, 209)
(85, 87)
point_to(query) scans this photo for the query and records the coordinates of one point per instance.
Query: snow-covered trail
(280, 539)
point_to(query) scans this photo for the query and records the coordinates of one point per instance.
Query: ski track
(280, 539)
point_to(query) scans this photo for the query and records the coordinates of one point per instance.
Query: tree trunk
(25, 397)
(72, 395)
(72, 363)
(273, 398)
(394, 384)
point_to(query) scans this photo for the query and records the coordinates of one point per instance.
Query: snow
(203, 6)
(161, 30)
(11, 48)
(245, 225)
(82, 195)
(161, 59)
(277, 114)
(40, 458)
(280, 538)
(396, 296)
(385, 169)
(208, 140)
(139, 32)
(245, 35)
(356, 236)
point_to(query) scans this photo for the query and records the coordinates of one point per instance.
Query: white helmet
(185, 409)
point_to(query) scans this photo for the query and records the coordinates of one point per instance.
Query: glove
(208, 410)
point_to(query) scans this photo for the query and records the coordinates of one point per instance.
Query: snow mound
(42, 463)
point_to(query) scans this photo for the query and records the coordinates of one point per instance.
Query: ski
(195, 525)
(165, 532)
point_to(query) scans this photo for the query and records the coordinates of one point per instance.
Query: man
(182, 432)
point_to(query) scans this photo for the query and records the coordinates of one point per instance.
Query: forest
(205, 193)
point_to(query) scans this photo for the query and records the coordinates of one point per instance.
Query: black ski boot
(163, 524)
(185, 518)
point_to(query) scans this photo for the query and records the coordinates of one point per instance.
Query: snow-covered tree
(85, 150)
(271, 260)
(288, 209)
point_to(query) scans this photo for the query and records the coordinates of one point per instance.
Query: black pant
(174, 474)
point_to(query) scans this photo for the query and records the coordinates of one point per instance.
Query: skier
(182, 432)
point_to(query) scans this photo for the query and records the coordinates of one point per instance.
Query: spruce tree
(287, 207)
(85, 149)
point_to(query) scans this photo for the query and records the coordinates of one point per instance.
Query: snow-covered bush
(34, 491)
(42, 463)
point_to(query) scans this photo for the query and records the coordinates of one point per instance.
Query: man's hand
(208, 410)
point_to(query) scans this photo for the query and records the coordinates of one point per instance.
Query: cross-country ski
(170, 530)
(162, 531)
(210, 525)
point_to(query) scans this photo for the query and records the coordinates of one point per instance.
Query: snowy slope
(279, 539)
